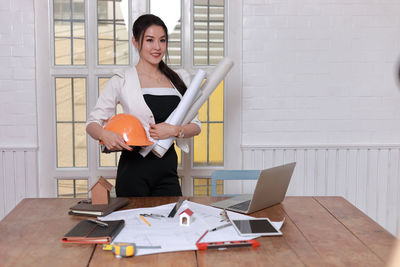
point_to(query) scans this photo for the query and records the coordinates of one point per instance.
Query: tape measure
(126, 249)
(121, 249)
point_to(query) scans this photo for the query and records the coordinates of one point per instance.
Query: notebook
(85, 207)
(90, 232)
(270, 189)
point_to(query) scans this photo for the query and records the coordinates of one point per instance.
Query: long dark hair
(139, 28)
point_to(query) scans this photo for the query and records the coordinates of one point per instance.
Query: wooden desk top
(318, 231)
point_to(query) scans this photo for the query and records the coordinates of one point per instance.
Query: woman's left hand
(162, 130)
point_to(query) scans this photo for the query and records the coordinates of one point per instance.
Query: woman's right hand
(113, 141)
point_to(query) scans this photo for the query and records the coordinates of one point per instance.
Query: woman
(150, 91)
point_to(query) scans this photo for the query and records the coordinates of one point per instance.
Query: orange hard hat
(129, 128)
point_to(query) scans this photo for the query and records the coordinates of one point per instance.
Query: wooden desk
(318, 231)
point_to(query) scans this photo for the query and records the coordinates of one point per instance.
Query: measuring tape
(125, 249)
(121, 249)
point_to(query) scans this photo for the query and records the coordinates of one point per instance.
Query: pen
(152, 215)
(220, 227)
(144, 220)
(98, 222)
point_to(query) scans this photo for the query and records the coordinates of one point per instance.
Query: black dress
(150, 175)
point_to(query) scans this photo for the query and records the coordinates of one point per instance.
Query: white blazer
(124, 88)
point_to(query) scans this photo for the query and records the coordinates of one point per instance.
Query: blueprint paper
(167, 233)
(208, 87)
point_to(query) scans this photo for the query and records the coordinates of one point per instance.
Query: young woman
(150, 91)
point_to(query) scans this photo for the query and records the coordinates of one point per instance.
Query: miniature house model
(185, 217)
(101, 192)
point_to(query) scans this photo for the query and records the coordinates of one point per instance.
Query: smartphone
(255, 226)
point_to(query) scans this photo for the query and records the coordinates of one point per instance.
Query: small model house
(101, 192)
(185, 217)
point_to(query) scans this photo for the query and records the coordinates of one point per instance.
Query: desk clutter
(167, 228)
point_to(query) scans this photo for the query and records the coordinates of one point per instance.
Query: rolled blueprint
(192, 92)
(208, 87)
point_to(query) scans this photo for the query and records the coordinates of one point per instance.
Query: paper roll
(192, 92)
(208, 87)
(191, 103)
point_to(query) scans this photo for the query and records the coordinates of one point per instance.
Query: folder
(85, 207)
(89, 232)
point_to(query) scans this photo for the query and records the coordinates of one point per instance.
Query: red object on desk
(227, 244)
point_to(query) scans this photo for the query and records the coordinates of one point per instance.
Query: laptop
(270, 189)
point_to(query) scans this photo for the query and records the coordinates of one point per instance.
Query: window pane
(200, 148)
(80, 145)
(81, 188)
(112, 32)
(201, 186)
(209, 145)
(70, 121)
(170, 12)
(79, 99)
(69, 32)
(208, 21)
(65, 188)
(72, 188)
(62, 43)
(216, 144)
(122, 53)
(65, 153)
(64, 99)
(216, 102)
(78, 9)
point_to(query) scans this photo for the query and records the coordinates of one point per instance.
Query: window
(90, 42)
(72, 188)
(69, 32)
(112, 32)
(70, 122)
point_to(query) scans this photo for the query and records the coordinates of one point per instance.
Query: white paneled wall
(367, 176)
(320, 72)
(18, 177)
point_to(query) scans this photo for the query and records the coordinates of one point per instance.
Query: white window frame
(46, 71)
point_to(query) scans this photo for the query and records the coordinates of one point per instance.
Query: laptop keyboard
(241, 206)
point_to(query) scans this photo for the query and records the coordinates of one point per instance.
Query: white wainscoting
(366, 175)
(18, 176)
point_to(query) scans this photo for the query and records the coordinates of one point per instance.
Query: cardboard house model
(101, 192)
(185, 217)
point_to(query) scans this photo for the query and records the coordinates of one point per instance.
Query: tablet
(255, 226)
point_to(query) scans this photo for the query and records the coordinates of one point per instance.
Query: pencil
(144, 220)
(201, 237)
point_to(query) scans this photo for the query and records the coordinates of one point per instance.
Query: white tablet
(255, 226)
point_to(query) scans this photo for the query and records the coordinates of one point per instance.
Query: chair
(231, 175)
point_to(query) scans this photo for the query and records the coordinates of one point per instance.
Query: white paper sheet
(167, 233)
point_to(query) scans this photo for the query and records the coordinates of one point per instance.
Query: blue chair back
(231, 175)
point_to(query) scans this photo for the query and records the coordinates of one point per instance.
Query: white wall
(319, 88)
(18, 122)
(17, 74)
(320, 72)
